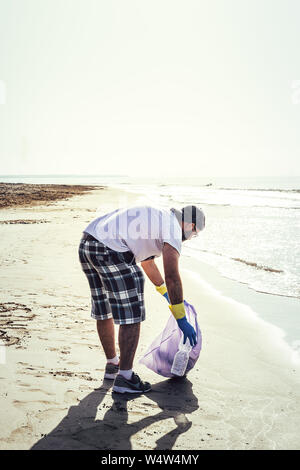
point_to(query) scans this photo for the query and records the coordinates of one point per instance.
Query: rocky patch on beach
(23, 194)
(24, 221)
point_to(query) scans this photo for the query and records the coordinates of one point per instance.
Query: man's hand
(188, 331)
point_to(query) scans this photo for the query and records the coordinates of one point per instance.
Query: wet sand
(242, 394)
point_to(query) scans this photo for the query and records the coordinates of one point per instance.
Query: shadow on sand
(81, 429)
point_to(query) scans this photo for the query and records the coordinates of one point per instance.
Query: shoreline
(243, 393)
(264, 305)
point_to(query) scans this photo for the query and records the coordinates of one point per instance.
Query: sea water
(252, 226)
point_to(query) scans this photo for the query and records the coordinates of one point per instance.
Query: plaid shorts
(115, 280)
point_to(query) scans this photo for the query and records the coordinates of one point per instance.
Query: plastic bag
(160, 354)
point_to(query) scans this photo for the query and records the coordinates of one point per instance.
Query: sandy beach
(244, 392)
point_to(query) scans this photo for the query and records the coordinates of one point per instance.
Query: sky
(142, 88)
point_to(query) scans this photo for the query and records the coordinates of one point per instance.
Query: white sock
(114, 360)
(126, 373)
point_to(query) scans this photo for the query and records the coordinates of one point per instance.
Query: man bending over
(109, 251)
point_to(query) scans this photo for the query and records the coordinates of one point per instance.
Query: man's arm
(152, 272)
(171, 269)
(174, 286)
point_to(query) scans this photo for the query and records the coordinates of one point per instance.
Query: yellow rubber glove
(178, 310)
(163, 291)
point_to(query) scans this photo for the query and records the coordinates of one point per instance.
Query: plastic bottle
(181, 358)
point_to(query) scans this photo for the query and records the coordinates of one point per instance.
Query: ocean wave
(277, 207)
(262, 206)
(258, 266)
(262, 189)
(248, 263)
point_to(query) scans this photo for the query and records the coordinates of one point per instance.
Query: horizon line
(143, 176)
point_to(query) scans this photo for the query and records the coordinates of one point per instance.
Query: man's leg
(128, 341)
(127, 381)
(106, 332)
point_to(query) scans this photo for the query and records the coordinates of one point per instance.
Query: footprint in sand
(24, 404)
(38, 390)
(21, 434)
(70, 396)
(51, 413)
(23, 384)
(67, 373)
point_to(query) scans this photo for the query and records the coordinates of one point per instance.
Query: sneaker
(134, 385)
(111, 371)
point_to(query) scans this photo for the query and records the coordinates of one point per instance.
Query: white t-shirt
(140, 229)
